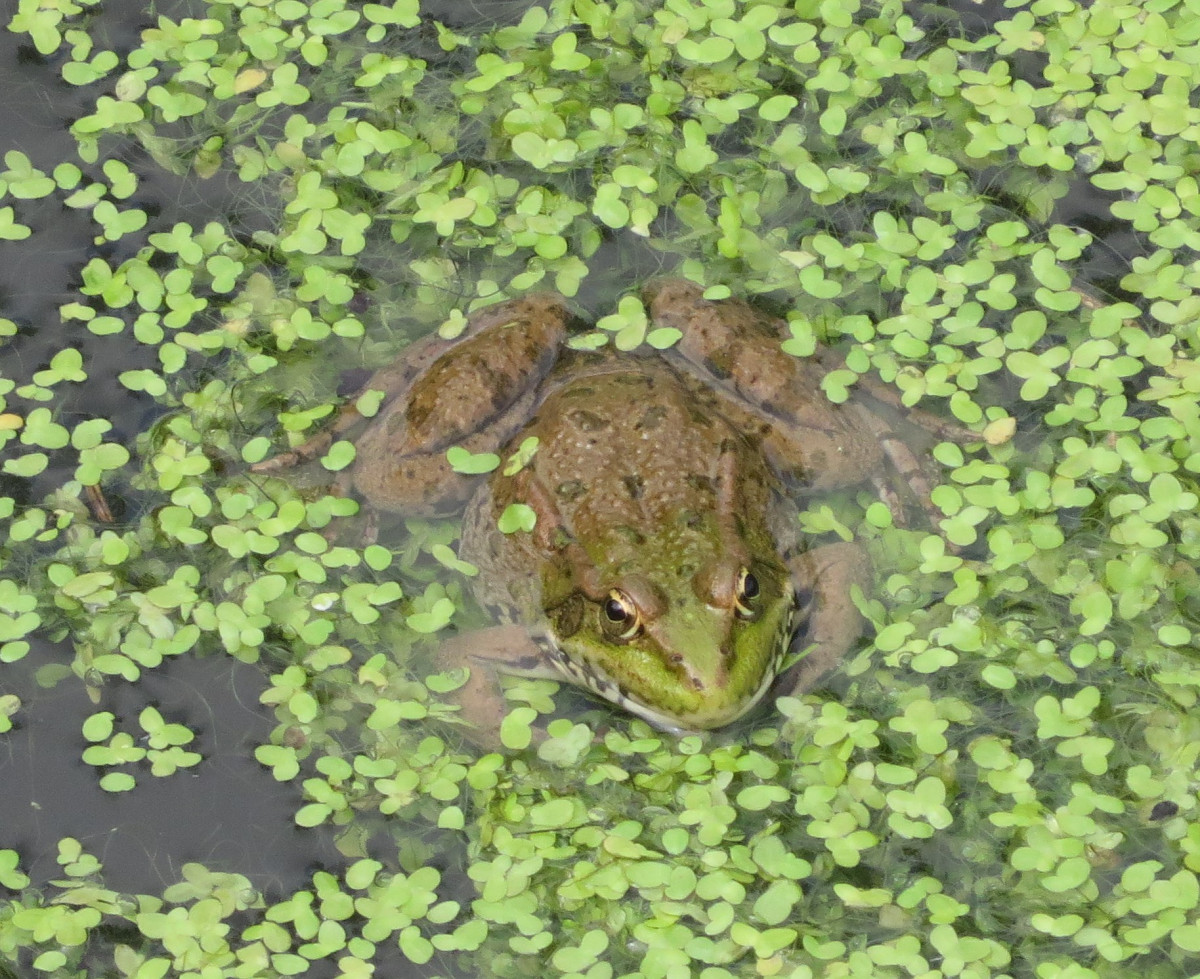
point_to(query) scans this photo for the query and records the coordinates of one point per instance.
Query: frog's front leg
(487, 653)
(825, 576)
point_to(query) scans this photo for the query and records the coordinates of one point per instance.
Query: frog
(665, 569)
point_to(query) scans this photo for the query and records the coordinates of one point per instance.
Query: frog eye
(620, 616)
(747, 594)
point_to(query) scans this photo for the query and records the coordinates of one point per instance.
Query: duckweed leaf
(628, 323)
(118, 782)
(565, 55)
(447, 558)
(609, 207)
(436, 617)
(663, 337)
(98, 727)
(777, 107)
(515, 731)
(695, 155)
(522, 456)
(40, 430)
(66, 365)
(532, 169)
(471, 464)
(10, 228)
(340, 455)
(517, 517)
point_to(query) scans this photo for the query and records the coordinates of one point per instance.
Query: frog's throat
(589, 676)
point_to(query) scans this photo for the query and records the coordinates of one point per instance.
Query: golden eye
(747, 594)
(620, 616)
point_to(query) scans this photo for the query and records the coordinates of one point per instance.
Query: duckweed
(1001, 781)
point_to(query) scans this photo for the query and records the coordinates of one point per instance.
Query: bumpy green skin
(642, 486)
(665, 570)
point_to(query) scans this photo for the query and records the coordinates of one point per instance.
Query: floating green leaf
(517, 517)
(471, 464)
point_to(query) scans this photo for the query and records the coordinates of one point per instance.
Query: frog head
(685, 629)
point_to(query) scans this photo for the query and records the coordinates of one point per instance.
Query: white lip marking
(586, 675)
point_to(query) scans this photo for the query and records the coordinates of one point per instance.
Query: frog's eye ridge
(620, 616)
(748, 591)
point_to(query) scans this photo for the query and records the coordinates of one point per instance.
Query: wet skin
(666, 570)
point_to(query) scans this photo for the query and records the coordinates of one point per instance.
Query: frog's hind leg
(882, 392)
(903, 459)
(475, 391)
(476, 395)
(734, 350)
(915, 471)
(809, 440)
(906, 463)
(392, 380)
(346, 419)
(424, 484)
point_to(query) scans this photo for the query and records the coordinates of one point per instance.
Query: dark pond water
(232, 815)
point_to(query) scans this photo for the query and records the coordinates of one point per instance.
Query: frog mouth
(600, 683)
(681, 725)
